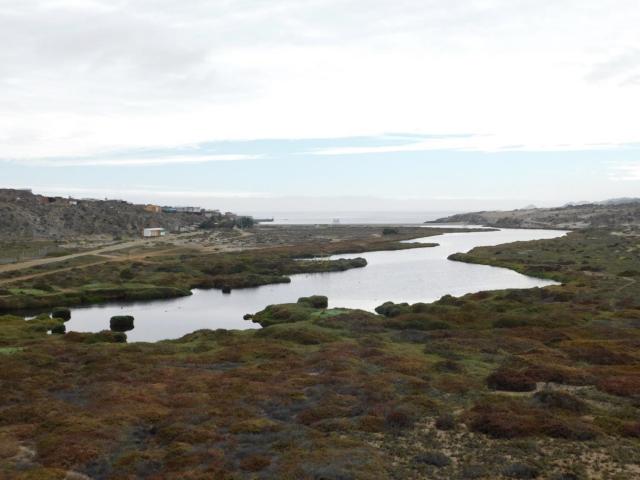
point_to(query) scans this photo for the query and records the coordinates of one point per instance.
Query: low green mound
(121, 323)
(61, 312)
(291, 312)
(284, 313)
(560, 400)
(59, 329)
(315, 301)
(390, 309)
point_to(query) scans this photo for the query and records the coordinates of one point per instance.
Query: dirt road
(46, 261)
(108, 259)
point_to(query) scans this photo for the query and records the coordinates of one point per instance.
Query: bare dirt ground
(107, 259)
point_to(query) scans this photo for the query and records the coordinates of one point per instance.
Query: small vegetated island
(540, 383)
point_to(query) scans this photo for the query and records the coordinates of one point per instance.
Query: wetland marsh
(412, 275)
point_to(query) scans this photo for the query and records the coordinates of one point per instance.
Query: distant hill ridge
(621, 213)
(24, 214)
(611, 201)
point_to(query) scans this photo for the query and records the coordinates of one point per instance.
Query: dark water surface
(417, 275)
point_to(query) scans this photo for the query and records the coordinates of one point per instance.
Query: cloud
(624, 67)
(124, 161)
(81, 77)
(469, 143)
(137, 192)
(625, 171)
(633, 80)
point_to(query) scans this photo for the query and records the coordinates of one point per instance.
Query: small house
(154, 232)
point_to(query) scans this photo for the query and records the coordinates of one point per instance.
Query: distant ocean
(351, 218)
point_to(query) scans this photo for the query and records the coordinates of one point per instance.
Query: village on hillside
(26, 214)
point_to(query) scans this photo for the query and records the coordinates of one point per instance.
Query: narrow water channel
(416, 275)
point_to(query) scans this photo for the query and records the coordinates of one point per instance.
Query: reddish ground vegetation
(344, 394)
(511, 380)
(624, 386)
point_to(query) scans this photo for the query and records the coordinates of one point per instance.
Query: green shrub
(42, 285)
(575, 430)
(59, 329)
(244, 222)
(127, 274)
(390, 231)
(504, 420)
(446, 421)
(474, 471)
(448, 366)
(560, 400)
(450, 300)
(61, 312)
(630, 273)
(431, 457)
(390, 309)
(520, 471)
(566, 476)
(398, 419)
(121, 323)
(283, 313)
(315, 301)
(510, 322)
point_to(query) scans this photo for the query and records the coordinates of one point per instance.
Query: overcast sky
(300, 104)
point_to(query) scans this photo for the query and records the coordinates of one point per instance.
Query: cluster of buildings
(166, 209)
(196, 210)
(124, 214)
(214, 217)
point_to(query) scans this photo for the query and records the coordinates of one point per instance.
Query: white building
(154, 232)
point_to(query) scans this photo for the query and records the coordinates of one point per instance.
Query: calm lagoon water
(353, 217)
(417, 275)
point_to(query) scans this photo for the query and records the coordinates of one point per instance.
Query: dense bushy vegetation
(61, 312)
(540, 383)
(121, 323)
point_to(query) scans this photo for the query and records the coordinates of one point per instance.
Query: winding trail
(11, 267)
(108, 259)
(177, 243)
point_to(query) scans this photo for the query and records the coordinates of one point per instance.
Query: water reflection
(418, 275)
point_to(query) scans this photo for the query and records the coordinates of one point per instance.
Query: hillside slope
(26, 215)
(624, 215)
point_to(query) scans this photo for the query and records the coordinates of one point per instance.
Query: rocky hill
(27, 215)
(600, 215)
